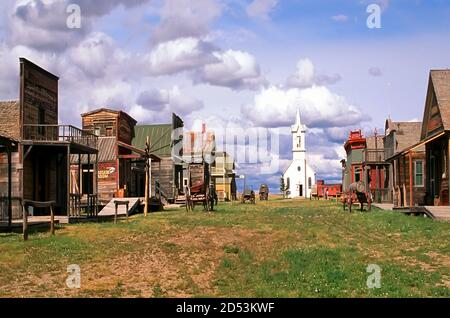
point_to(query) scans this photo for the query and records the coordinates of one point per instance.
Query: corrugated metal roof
(106, 151)
(160, 138)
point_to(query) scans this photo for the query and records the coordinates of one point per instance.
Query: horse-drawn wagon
(264, 192)
(357, 193)
(199, 189)
(248, 196)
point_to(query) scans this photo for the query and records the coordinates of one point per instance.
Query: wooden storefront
(41, 160)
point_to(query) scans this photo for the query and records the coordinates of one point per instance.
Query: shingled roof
(438, 86)
(9, 119)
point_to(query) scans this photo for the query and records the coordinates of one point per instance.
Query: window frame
(416, 174)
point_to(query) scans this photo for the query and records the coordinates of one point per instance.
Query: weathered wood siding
(107, 180)
(163, 173)
(102, 119)
(15, 183)
(403, 177)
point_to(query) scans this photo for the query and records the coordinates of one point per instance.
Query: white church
(299, 177)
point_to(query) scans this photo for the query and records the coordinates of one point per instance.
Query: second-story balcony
(59, 134)
(375, 155)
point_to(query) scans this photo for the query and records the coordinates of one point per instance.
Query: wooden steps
(109, 209)
(441, 213)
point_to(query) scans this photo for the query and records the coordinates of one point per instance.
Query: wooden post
(8, 149)
(52, 220)
(127, 210)
(115, 213)
(411, 199)
(25, 221)
(147, 169)
(68, 182)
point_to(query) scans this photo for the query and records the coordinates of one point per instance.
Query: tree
(283, 187)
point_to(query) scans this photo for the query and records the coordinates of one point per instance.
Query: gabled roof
(408, 134)
(160, 138)
(439, 93)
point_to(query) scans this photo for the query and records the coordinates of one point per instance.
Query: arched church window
(288, 182)
(299, 141)
(309, 182)
(299, 168)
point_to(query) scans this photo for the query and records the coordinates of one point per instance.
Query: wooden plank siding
(16, 178)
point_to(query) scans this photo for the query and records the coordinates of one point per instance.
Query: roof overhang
(417, 145)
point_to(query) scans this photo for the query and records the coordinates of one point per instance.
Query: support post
(411, 199)
(52, 220)
(147, 172)
(8, 149)
(68, 182)
(25, 221)
(115, 213)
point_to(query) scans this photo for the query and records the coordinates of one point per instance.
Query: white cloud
(261, 8)
(319, 107)
(234, 69)
(305, 76)
(179, 55)
(185, 18)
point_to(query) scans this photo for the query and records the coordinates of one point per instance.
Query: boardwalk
(109, 209)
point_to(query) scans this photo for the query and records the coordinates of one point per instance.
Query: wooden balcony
(57, 134)
(375, 155)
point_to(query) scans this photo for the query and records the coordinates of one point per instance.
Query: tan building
(224, 176)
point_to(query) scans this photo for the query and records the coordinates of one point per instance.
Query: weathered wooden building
(366, 162)
(407, 166)
(40, 159)
(166, 144)
(121, 166)
(223, 176)
(435, 134)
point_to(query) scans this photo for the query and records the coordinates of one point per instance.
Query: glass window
(357, 174)
(418, 173)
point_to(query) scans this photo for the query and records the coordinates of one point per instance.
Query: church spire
(298, 122)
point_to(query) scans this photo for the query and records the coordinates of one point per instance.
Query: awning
(417, 145)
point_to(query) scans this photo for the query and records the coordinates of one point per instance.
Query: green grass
(281, 248)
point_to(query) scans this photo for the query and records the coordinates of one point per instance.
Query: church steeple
(298, 138)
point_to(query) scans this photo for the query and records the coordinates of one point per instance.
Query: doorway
(300, 190)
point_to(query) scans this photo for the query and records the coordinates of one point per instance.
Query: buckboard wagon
(248, 196)
(199, 189)
(264, 192)
(357, 193)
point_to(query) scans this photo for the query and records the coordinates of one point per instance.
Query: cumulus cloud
(305, 76)
(180, 55)
(42, 24)
(261, 8)
(185, 18)
(156, 104)
(233, 69)
(274, 106)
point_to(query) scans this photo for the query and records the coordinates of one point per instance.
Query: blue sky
(238, 64)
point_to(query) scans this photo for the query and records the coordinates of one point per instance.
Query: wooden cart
(264, 192)
(357, 193)
(199, 189)
(248, 196)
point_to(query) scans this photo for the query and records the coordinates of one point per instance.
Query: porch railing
(382, 195)
(59, 133)
(375, 155)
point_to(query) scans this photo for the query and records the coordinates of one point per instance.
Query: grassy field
(281, 248)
